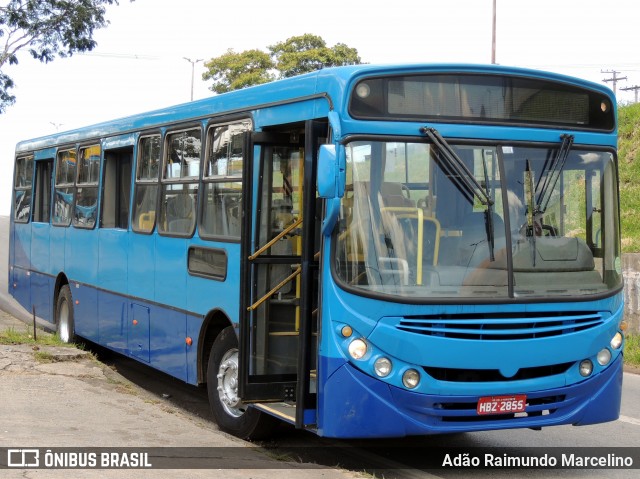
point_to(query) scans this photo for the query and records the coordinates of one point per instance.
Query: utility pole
(635, 89)
(493, 36)
(193, 67)
(614, 78)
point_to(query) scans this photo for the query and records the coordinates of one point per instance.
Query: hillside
(629, 163)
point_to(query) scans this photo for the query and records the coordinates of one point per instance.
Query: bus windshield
(411, 226)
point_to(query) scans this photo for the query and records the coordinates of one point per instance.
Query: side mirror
(331, 182)
(331, 171)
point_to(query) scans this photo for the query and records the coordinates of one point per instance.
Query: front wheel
(64, 315)
(231, 414)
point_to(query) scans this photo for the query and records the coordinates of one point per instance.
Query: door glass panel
(277, 295)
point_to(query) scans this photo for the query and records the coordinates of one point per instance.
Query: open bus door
(279, 273)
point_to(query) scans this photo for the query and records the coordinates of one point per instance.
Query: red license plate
(502, 404)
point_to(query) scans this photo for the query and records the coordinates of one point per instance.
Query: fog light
(586, 368)
(616, 341)
(410, 378)
(357, 348)
(603, 357)
(382, 367)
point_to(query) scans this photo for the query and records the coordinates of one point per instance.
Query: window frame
(24, 188)
(146, 183)
(219, 179)
(219, 252)
(185, 181)
(57, 186)
(86, 184)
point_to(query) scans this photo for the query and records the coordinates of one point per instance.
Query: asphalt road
(383, 458)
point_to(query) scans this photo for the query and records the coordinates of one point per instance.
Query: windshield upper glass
(412, 226)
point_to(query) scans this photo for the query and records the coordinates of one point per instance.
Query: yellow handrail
(282, 234)
(275, 289)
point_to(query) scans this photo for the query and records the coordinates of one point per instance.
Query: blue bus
(362, 252)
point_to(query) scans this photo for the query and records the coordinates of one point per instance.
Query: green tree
(233, 71)
(294, 56)
(307, 53)
(46, 29)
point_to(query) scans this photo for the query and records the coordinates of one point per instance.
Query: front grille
(501, 326)
(489, 375)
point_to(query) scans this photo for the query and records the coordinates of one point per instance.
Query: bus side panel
(171, 272)
(141, 266)
(82, 255)
(113, 320)
(112, 258)
(82, 269)
(112, 276)
(85, 311)
(41, 281)
(168, 341)
(57, 237)
(194, 326)
(168, 327)
(20, 285)
(221, 293)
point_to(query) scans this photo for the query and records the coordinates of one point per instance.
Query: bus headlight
(357, 348)
(603, 357)
(616, 341)
(382, 367)
(586, 368)
(410, 378)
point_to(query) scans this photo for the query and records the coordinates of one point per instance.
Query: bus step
(281, 410)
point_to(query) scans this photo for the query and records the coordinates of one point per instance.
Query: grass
(629, 170)
(632, 350)
(13, 336)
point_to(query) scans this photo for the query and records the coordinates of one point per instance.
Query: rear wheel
(231, 414)
(64, 315)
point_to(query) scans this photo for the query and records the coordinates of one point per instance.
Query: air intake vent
(501, 326)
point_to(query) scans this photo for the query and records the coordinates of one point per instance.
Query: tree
(294, 56)
(46, 29)
(308, 53)
(233, 71)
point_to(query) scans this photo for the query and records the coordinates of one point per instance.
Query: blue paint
(135, 295)
(354, 405)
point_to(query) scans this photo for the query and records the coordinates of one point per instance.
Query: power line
(635, 89)
(614, 79)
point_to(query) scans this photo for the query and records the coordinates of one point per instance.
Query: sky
(139, 63)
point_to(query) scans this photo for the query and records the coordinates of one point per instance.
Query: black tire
(230, 413)
(65, 326)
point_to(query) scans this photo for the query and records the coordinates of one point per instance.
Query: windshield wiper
(552, 175)
(455, 167)
(464, 179)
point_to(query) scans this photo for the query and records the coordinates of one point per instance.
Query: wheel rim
(63, 322)
(228, 384)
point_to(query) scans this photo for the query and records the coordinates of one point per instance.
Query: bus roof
(330, 83)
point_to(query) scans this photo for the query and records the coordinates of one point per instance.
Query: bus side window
(42, 191)
(146, 189)
(180, 182)
(86, 200)
(222, 190)
(64, 189)
(116, 188)
(22, 193)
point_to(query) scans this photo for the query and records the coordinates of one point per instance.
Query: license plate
(502, 404)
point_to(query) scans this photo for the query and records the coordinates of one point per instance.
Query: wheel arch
(215, 321)
(61, 280)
